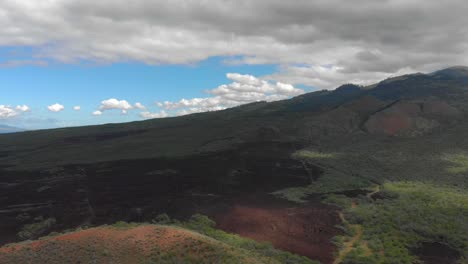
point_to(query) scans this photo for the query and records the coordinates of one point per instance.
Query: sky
(82, 62)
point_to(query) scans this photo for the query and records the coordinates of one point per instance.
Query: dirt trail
(348, 246)
(376, 190)
(358, 230)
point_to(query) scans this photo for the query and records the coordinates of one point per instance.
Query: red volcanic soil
(393, 123)
(115, 245)
(305, 230)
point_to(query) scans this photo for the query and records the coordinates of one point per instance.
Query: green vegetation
(34, 230)
(333, 178)
(308, 154)
(369, 162)
(459, 163)
(124, 225)
(161, 219)
(410, 214)
(329, 182)
(423, 198)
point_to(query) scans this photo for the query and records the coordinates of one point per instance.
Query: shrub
(162, 219)
(37, 229)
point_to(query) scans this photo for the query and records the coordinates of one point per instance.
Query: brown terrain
(121, 245)
(306, 230)
(239, 203)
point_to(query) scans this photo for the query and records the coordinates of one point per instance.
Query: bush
(162, 219)
(124, 225)
(31, 231)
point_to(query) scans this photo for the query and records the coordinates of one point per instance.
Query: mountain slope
(332, 146)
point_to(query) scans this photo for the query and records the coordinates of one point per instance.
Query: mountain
(9, 129)
(374, 174)
(457, 72)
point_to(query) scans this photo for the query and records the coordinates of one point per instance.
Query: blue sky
(107, 55)
(86, 84)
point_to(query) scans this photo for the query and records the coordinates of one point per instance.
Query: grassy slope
(195, 241)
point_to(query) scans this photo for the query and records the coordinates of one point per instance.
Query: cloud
(18, 63)
(192, 110)
(329, 77)
(7, 112)
(149, 115)
(97, 113)
(56, 108)
(244, 89)
(111, 104)
(23, 108)
(77, 108)
(140, 106)
(361, 39)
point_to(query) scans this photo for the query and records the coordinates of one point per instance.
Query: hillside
(303, 173)
(144, 243)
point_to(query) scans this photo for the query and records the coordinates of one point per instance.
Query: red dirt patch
(305, 231)
(115, 245)
(396, 118)
(392, 124)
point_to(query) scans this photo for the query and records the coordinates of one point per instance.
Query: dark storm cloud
(361, 39)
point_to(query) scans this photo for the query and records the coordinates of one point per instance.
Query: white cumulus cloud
(56, 108)
(97, 113)
(7, 112)
(140, 106)
(77, 108)
(23, 108)
(149, 115)
(111, 104)
(244, 89)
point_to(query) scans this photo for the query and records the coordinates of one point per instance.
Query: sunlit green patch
(415, 213)
(331, 181)
(309, 154)
(459, 163)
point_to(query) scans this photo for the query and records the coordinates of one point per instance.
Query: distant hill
(9, 129)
